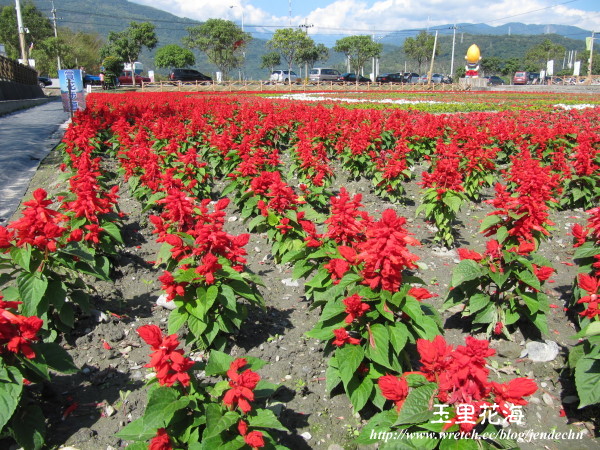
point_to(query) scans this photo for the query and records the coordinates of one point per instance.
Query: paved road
(26, 138)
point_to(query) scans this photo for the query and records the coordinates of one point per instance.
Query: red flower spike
(355, 308)
(242, 384)
(394, 389)
(342, 337)
(161, 441)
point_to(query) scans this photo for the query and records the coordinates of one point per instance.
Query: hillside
(505, 41)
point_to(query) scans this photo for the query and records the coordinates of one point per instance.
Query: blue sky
(347, 17)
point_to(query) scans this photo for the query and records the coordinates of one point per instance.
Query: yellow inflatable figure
(473, 57)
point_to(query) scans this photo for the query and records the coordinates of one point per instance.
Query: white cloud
(354, 16)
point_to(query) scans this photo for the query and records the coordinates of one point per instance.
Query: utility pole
(55, 34)
(432, 58)
(290, 11)
(21, 34)
(452, 58)
(306, 26)
(591, 60)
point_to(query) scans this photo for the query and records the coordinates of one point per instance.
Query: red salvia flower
(464, 253)
(254, 439)
(355, 307)
(242, 384)
(420, 293)
(161, 441)
(342, 337)
(168, 361)
(394, 389)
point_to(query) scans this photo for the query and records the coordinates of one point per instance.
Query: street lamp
(242, 8)
(243, 52)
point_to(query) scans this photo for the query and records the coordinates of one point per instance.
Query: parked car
(533, 78)
(44, 81)
(520, 78)
(390, 78)
(284, 76)
(188, 75)
(494, 81)
(410, 77)
(435, 78)
(127, 79)
(93, 80)
(317, 74)
(351, 78)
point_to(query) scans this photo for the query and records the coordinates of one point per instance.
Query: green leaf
(11, 385)
(529, 279)
(587, 381)
(136, 431)
(486, 315)
(478, 302)
(332, 376)
(217, 422)
(398, 336)
(218, 363)
(113, 231)
(381, 422)
(265, 418)
(378, 347)
(333, 309)
(592, 329)
(489, 221)
(458, 444)
(349, 358)
(416, 406)
(177, 318)
(359, 392)
(163, 403)
(29, 427)
(21, 256)
(452, 200)
(501, 234)
(55, 356)
(466, 270)
(32, 287)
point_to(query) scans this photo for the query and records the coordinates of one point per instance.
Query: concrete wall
(10, 90)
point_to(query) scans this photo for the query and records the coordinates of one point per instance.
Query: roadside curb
(9, 106)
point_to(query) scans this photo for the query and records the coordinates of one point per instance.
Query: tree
(222, 41)
(39, 26)
(173, 55)
(491, 65)
(420, 48)
(537, 56)
(584, 57)
(128, 44)
(113, 65)
(358, 50)
(270, 60)
(289, 42)
(310, 55)
(511, 66)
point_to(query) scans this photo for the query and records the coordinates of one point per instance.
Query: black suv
(188, 75)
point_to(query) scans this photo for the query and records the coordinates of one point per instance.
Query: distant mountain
(509, 29)
(511, 40)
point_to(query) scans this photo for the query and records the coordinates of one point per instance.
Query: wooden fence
(260, 86)
(11, 70)
(233, 86)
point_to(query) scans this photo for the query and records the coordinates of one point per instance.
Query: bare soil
(109, 389)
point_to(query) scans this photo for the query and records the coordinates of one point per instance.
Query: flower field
(328, 275)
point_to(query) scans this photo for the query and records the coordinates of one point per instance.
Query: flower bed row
(173, 150)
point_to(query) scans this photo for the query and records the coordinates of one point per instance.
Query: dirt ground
(109, 389)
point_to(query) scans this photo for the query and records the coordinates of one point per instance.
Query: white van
(323, 74)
